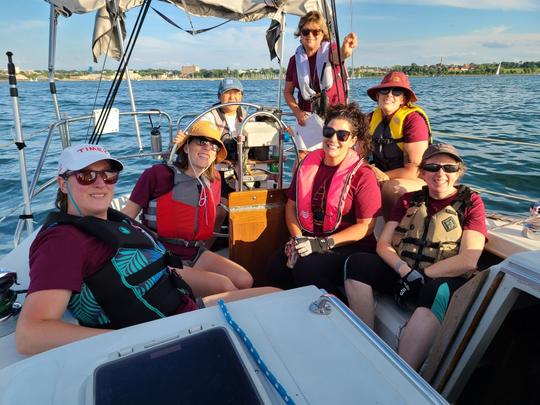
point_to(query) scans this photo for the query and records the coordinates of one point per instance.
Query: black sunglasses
(396, 91)
(205, 141)
(305, 32)
(342, 135)
(87, 177)
(434, 168)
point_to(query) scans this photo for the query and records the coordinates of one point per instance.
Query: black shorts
(369, 268)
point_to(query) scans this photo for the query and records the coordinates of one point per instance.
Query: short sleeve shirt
(157, 181)
(474, 215)
(363, 200)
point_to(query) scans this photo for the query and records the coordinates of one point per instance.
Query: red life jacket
(337, 192)
(185, 213)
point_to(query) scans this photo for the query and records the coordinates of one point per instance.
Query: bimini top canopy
(238, 10)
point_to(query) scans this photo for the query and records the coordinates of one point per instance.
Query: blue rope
(264, 368)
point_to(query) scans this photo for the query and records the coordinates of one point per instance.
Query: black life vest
(136, 284)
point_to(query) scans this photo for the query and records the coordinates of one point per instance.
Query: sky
(390, 32)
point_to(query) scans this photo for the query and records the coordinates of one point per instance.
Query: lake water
(500, 107)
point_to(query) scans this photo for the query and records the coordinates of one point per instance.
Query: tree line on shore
(271, 73)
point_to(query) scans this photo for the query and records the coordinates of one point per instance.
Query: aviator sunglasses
(204, 141)
(305, 32)
(87, 177)
(395, 91)
(434, 168)
(342, 135)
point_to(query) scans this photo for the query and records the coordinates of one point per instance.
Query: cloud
(522, 5)
(495, 45)
(478, 47)
(24, 25)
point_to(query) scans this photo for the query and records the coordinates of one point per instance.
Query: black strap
(418, 257)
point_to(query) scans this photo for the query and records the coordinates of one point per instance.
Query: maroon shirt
(157, 181)
(62, 256)
(474, 215)
(415, 128)
(362, 201)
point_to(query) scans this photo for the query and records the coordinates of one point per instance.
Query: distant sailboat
(498, 69)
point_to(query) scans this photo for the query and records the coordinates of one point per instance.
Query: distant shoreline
(40, 79)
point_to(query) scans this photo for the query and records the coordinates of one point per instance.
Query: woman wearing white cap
(96, 262)
(179, 202)
(428, 248)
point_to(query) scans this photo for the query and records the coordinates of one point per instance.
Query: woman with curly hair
(332, 205)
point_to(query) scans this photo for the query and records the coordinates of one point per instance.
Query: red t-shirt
(415, 128)
(363, 200)
(157, 181)
(292, 76)
(474, 215)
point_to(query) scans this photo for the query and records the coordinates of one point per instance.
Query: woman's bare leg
(205, 283)
(238, 295)
(418, 336)
(214, 263)
(360, 297)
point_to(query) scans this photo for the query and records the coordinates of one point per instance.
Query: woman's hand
(180, 137)
(301, 117)
(349, 43)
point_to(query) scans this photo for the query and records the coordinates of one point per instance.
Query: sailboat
(498, 69)
(303, 335)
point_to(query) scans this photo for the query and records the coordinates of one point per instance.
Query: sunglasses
(87, 177)
(305, 32)
(434, 168)
(395, 91)
(342, 135)
(216, 147)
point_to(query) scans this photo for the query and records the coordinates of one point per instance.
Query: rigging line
(188, 15)
(332, 23)
(352, 55)
(99, 85)
(120, 71)
(191, 32)
(111, 95)
(341, 61)
(100, 125)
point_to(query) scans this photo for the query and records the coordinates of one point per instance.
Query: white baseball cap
(77, 157)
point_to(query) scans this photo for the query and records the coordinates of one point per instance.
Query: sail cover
(106, 39)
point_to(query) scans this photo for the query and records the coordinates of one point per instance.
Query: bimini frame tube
(128, 79)
(26, 217)
(53, 24)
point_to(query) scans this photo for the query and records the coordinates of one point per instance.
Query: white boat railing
(64, 124)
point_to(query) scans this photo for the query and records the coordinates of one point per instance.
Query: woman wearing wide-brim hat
(400, 133)
(179, 202)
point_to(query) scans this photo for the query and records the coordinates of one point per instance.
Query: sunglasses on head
(434, 168)
(305, 32)
(87, 177)
(396, 91)
(341, 134)
(204, 141)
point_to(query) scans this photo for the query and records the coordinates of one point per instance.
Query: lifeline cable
(264, 368)
(113, 90)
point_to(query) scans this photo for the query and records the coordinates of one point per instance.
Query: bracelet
(398, 264)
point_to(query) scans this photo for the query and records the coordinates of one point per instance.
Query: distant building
(189, 70)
